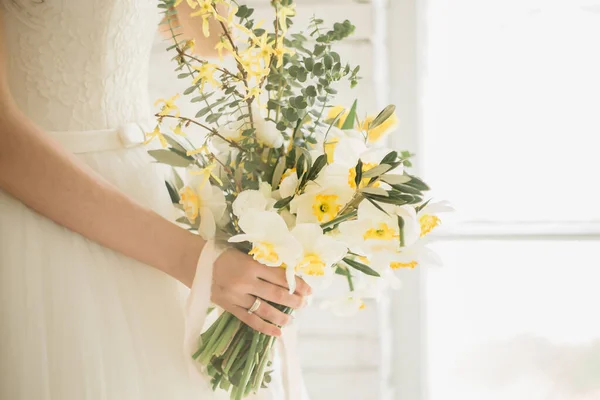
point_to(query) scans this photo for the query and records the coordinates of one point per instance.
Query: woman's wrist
(186, 259)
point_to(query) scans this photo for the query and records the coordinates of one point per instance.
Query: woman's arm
(59, 186)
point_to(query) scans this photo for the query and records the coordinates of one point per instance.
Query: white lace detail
(80, 64)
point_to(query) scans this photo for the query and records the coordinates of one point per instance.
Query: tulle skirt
(81, 322)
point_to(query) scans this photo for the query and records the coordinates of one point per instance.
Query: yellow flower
(279, 52)
(202, 149)
(378, 132)
(205, 11)
(169, 105)
(192, 3)
(398, 265)
(206, 74)
(428, 222)
(326, 207)
(189, 45)
(254, 92)
(283, 12)
(190, 202)
(177, 130)
(206, 173)
(335, 111)
(221, 45)
(156, 134)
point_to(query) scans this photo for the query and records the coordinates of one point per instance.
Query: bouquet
(282, 174)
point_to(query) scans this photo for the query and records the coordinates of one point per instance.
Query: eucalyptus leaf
(171, 158)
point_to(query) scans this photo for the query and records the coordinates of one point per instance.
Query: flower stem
(250, 363)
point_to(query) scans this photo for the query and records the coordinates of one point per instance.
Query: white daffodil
(201, 199)
(428, 218)
(266, 132)
(320, 204)
(272, 243)
(320, 252)
(327, 141)
(348, 152)
(254, 200)
(375, 231)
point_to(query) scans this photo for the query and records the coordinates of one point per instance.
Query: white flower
(320, 203)
(254, 200)
(417, 255)
(320, 252)
(327, 144)
(375, 231)
(202, 199)
(272, 243)
(266, 132)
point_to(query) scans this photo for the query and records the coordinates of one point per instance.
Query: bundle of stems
(235, 356)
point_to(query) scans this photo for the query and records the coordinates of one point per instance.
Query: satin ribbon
(126, 136)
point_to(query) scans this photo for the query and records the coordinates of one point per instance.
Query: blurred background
(500, 99)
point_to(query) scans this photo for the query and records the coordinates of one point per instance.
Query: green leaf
(395, 179)
(377, 206)
(422, 206)
(389, 158)
(283, 202)
(407, 189)
(401, 230)
(358, 169)
(202, 112)
(189, 90)
(382, 116)
(178, 181)
(417, 183)
(377, 171)
(300, 166)
(319, 164)
(350, 119)
(202, 97)
(171, 158)
(278, 173)
(175, 144)
(365, 269)
(213, 118)
(375, 190)
(173, 193)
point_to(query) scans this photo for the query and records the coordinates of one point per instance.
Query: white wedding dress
(79, 321)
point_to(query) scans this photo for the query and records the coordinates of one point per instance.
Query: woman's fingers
(277, 294)
(277, 277)
(254, 321)
(267, 311)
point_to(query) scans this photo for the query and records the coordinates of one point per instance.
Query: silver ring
(255, 306)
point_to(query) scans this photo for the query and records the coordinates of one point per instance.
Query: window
(506, 100)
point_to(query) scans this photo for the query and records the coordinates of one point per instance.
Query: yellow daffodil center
(264, 251)
(364, 181)
(312, 264)
(428, 223)
(326, 207)
(398, 265)
(190, 202)
(373, 135)
(382, 232)
(362, 305)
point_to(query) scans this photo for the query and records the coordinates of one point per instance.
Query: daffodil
(377, 133)
(346, 305)
(227, 135)
(375, 231)
(156, 133)
(168, 106)
(320, 203)
(254, 200)
(272, 243)
(201, 199)
(289, 183)
(320, 252)
(205, 74)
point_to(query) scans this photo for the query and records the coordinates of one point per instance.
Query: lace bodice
(80, 64)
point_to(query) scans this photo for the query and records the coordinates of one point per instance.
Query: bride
(92, 270)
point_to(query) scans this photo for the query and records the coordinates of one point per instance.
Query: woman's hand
(238, 280)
